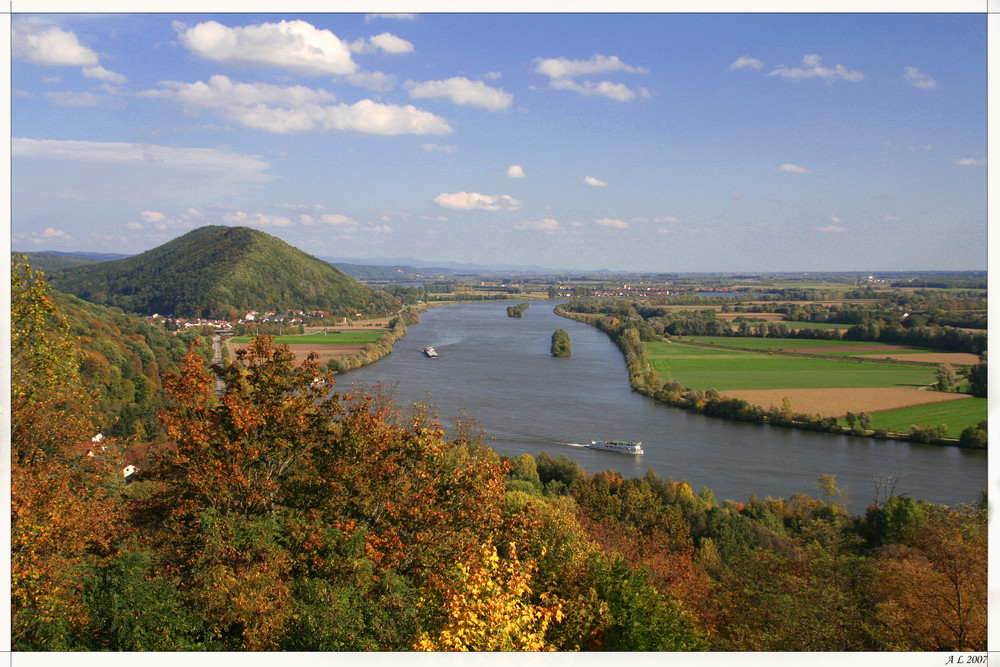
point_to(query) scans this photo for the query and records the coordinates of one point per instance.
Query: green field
(346, 337)
(845, 348)
(956, 414)
(706, 368)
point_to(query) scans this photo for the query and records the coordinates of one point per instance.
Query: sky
(651, 142)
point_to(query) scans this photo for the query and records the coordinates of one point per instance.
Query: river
(498, 370)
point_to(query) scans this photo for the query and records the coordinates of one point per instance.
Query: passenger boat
(431, 352)
(623, 446)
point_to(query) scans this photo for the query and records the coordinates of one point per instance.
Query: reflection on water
(498, 370)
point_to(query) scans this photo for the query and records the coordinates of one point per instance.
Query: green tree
(560, 344)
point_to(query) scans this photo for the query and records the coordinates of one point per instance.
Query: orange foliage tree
(66, 511)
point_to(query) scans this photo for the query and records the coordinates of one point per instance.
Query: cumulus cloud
(257, 219)
(98, 72)
(55, 47)
(461, 90)
(812, 68)
(744, 62)
(51, 46)
(792, 169)
(161, 221)
(221, 91)
(515, 171)
(561, 73)
(389, 43)
(835, 219)
(296, 46)
(612, 222)
(546, 225)
(614, 91)
(51, 233)
(971, 161)
(558, 68)
(831, 229)
(401, 17)
(918, 79)
(891, 218)
(470, 201)
(284, 109)
(596, 182)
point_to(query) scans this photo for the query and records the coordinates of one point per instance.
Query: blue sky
(646, 142)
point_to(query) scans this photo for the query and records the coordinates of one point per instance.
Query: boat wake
(572, 444)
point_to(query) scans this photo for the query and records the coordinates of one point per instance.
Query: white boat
(623, 446)
(431, 352)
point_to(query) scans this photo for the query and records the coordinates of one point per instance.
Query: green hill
(221, 272)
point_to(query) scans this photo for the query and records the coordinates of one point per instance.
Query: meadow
(725, 369)
(956, 415)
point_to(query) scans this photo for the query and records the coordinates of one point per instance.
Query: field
(843, 348)
(346, 337)
(956, 415)
(327, 345)
(828, 387)
(706, 368)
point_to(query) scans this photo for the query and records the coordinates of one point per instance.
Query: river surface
(498, 370)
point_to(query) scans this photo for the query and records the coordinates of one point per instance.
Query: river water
(498, 370)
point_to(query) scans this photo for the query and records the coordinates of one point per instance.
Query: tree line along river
(498, 371)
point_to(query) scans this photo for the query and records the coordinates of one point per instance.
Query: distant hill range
(53, 260)
(220, 272)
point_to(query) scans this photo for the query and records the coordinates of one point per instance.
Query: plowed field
(838, 402)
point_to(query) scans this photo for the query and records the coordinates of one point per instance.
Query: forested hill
(220, 272)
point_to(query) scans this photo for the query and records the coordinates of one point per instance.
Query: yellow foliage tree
(487, 609)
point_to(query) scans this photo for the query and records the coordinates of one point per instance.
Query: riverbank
(645, 379)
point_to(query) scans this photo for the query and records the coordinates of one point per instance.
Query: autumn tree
(486, 608)
(65, 505)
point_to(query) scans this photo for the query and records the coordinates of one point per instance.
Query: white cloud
(51, 233)
(391, 43)
(257, 219)
(153, 217)
(971, 161)
(284, 109)
(133, 225)
(666, 219)
(98, 72)
(612, 222)
(461, 90)
(233, 165)
(596, 182)
(221, 91)
(835, 219)
(54, 47)
(744, 62)
(614, 91)
(515, 171)
(891, 218)
(546, 225)
(793, 169)
(297, 46)
(917, 78)
(559, 68)
(51, 46)
(831, 229)
(71, 99)
(469, 201)
(373, 80)
(401, 17)
(812, 68)
(562, 70)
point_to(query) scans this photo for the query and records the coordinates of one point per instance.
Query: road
(220, 386)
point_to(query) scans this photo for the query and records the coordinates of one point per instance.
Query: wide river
(498, 370)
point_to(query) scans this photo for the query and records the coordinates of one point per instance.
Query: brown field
(325, 352)
(838, 402)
